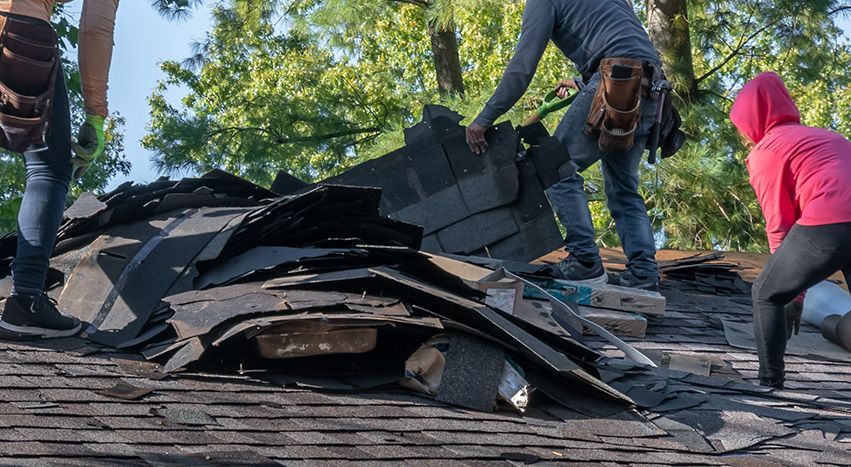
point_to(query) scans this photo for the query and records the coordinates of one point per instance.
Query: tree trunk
(447, 63)
(667, 22)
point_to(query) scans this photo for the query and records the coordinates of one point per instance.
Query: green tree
(314, 86)
(701, 197)
(294, 88)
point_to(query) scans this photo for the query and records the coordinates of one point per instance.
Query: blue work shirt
(586, 31)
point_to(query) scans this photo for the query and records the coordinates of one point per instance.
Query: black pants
(807, 256)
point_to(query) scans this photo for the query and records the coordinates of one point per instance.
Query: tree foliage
(314, 86)
(703, 199)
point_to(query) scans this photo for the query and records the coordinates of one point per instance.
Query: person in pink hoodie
(802, 178)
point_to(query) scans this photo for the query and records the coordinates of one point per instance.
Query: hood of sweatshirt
(763, 104)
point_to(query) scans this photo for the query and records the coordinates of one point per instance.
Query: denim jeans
(807, 256)
(48, 178)
(620, 172)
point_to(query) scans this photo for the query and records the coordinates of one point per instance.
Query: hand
(564, 85)
(794, 310)
(476, 138)
(89, 145)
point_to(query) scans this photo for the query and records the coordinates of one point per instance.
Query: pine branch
(738, 50)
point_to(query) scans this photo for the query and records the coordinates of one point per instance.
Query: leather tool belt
(28, 65)
(616, 108)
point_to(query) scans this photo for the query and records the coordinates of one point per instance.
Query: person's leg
(48, 178)
(29, 312)
(567, 197)
(627, 206)
(806, 257)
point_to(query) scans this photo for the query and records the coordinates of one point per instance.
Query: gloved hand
(794, 310)
(89, 145)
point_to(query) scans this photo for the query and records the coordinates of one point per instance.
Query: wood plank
(619, 323)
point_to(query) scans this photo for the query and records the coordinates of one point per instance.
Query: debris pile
(315, 289)
(707, 273)
(327, 285)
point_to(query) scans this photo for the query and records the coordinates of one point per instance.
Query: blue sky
(143, 39)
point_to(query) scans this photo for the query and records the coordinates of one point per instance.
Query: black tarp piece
(436, 182)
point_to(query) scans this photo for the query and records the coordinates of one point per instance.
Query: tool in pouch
(550, 104)
(28, 65)
(661, 88)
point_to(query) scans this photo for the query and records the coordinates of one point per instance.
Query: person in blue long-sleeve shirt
(586, 31)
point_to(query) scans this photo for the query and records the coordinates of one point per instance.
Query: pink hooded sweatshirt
(800, 174)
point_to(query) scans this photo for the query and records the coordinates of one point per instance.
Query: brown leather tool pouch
(28, 66)
(616, 108)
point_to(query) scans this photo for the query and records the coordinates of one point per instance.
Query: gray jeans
(620, 172)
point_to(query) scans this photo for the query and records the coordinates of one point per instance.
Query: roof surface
(59, 408)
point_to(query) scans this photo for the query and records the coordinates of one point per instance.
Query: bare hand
(476, 138)
(564, 85)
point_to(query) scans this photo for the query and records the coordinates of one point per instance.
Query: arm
(535, 34)
(97, 24)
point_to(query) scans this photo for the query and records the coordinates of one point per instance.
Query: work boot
(628, 279)
(37, 316)
(573, 270)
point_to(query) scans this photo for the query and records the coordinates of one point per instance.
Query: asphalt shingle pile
(314, 289)
(706, 272)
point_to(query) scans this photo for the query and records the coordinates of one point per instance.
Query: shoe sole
(645, 288)
(604, 279)
(44, 333)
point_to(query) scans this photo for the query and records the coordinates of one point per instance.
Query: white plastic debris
(513, 387)
(825, 299)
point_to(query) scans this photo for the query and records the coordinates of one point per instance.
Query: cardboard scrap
(312, 338)
(697, 365)
(503, 293)
(424, 368)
